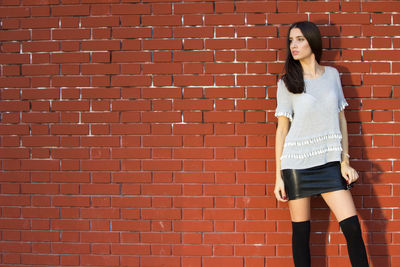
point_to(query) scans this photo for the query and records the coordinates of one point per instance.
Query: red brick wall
(141, 133)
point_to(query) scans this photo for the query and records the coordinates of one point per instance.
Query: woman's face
(299, 46)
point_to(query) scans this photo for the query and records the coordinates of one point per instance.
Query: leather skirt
(313, 181)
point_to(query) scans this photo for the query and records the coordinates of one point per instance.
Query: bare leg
(341, 203)
(300, 209)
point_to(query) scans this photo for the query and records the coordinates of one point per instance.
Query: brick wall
(141, 133)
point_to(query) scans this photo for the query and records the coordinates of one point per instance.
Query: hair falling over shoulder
(293, 76)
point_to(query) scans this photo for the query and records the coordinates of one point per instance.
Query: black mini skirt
(313, 181)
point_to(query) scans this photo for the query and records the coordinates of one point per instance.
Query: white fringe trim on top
(286, 114)
(313, 140)
(343, 105)
(312, 153)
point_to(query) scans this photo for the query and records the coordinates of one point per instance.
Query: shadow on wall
(373, 219)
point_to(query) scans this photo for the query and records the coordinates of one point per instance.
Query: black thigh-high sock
(301, 244)
(355, 245)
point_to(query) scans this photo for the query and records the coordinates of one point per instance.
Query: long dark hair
(293, 77)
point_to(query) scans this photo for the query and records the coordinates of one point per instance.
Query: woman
(312, 144)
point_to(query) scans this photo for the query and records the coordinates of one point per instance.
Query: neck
(310, 66)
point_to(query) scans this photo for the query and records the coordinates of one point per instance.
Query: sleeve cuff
(286, 114)
(343, 105)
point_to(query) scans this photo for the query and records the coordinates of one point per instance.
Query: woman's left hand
(348, 173)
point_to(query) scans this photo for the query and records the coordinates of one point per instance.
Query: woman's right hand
(279, 190)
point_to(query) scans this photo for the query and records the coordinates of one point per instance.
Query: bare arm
(281, 132)
(348, 172)
(345, 137)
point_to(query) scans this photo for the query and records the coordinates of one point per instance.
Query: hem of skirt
(321, 192)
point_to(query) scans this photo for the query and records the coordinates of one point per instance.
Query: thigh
(299, 209)
(341, 203)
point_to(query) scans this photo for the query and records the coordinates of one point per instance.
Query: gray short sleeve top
(314, 136)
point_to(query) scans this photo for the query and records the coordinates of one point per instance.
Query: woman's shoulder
(281, 83)
(332, 70)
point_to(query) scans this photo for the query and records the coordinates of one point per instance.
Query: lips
(295, 52)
